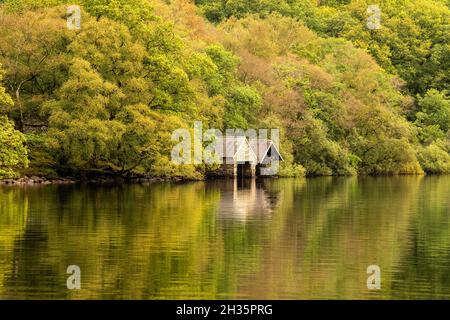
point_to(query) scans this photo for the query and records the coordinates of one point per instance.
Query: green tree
(13, 152)
(434, 158)
(433, 118)
(107, 97)
(341, 111)
(413, 40)
(33, 55)
(5, 99)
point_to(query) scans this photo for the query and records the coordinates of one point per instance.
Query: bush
(292, 170)
(434, 159)
(13, 152)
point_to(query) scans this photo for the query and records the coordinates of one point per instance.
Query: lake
(224, 239)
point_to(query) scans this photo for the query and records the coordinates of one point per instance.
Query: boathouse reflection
(246, 199)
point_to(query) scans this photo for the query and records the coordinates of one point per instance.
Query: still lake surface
(270, 239)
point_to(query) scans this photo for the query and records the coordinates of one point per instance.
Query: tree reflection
(281, 238)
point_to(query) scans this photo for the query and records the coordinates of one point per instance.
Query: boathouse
(243, 157)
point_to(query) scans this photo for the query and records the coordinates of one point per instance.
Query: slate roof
(242, 149)
(261, 148)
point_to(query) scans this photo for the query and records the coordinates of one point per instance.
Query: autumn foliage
(107, 97)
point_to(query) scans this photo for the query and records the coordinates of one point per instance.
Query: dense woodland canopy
(106, 98)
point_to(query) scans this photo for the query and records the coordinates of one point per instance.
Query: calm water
(277, 239)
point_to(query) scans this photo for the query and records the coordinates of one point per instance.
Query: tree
(5, 99)
(413, 40)
(433, 117)
(33, 54)
(108, 96)
(120, 101)
(82, 133)
(218, 10)
(13, 153)
(341, 111)
(434, 158)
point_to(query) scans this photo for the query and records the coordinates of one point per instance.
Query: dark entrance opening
(244, 170)
(240, 170)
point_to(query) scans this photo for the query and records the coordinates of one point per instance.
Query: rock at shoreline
(35, 180)
(8, 181)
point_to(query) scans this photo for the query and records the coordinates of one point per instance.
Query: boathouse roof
(241, 148)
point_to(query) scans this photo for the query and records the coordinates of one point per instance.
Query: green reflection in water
(272, 239)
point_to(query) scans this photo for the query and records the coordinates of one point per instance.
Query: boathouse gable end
(243, 157)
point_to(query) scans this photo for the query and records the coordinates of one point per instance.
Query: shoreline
(103, 180)
(38, 180)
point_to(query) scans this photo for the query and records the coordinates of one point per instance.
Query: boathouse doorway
(245, 170)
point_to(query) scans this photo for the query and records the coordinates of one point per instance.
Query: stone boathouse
(247, 158)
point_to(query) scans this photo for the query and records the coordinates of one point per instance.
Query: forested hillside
(106, 98)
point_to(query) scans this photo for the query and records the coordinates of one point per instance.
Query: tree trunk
(19, 105)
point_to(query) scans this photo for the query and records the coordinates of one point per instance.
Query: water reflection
(277, 239)
(245, 199)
